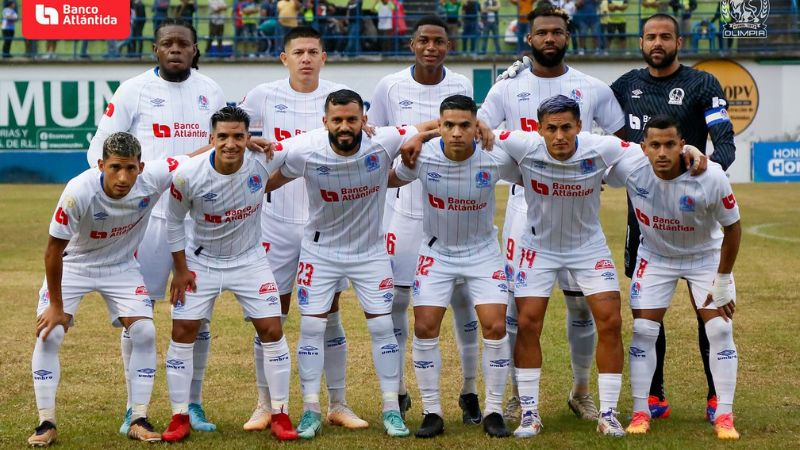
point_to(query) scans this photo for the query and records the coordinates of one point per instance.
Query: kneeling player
(223, 195)
(680, 217)
(99, 223)
(460, 242)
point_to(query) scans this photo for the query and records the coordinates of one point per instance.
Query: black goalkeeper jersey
(693, 97)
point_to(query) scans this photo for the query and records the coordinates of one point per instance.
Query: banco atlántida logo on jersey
(179, 130)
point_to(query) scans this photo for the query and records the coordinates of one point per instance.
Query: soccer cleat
(608, 424)
(282, 428)
(341, 415)
(583, 406)
(126, 422)
(640, 423)
(494, 426)
(405, 404)
(310, 425)
(513, 410)
(260, 419)
(178, 429)
(432, 426)
(723, 425)
(659, 409)
(529, 426)
(142, 430)
(394, 424)
(470, 409)
(44, 435)
(711, 409)
(197, 417)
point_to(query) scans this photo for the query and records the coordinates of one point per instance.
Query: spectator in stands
(186, 11)
(587, 23)
(268, 28)
(216, 25)
(288, 10)
(10, 17)
(471, 31)
(140, 18)
(682, 10)
(616, 23)
(353, 28)
(160, 12)
(490, 16)
(308, 15)
(524, 7)
(723, 43)
(251, 12)
(385, 8)
(50, 49)
(647, 8)
(452, 12)
(332, 27)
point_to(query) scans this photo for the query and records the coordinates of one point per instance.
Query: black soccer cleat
(432, 426)
(495, 426)
(471, 409)
(405, 404)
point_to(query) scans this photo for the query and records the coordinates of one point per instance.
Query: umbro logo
(210, 197)
(281, 107)
(101, 216)
(157, 102)
(523, 96)
(636, 93)
(406, 103)
(642, 192)
(323, 170)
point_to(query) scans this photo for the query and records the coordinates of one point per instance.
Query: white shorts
(155, 258)
(484, 276)
(403, 237)
(318, 278)
(513, 229)
(281, 240)
(253, 285)
(125, 294)
(535, 272)
(653, 286)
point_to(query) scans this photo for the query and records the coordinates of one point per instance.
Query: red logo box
(76, 19)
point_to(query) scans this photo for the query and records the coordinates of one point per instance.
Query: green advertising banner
(51, 115)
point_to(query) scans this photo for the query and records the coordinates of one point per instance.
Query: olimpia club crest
(744, 18)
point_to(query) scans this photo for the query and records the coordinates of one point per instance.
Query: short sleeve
(407, 174)
(159, 172)
(392, 138)
(517, 144)
(378, 113)
(507, 168)
(118, 116)
(491, 111)
(610, 148)
(252, 104)
(72, 205)
(179, 203)
(618, 174)
(722, 202)
(609, 113)
(294, 155)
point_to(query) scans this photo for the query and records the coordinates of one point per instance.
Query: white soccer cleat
(608, 424)
(529, 426)
(260, 420)
(583, 406)
(341, 415)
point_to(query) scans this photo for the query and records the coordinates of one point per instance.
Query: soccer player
(515, 101)
(411, 96)
(680, 218)
(695, 98)
(460, 242)
(346, 174)
(168, 109)
(223, 195)
(283, 109)
(98, 224)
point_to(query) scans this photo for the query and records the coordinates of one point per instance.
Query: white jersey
(679, 219)
(103, 232)
(346, 194)
(563, 197)
(279, 112)
(459, 211)
(400, 100)
(225, 210)
(167, 118)
(515, 101)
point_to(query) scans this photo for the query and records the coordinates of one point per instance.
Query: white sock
(402, 298)
(180, 363)
(261, 378)
(496, 360)
(723, 361)
(142, 365)
(278, 369)
(608, 387)
(46, 369)
(528, 382)
(466, 328)
(311, 359)
(202, 344)
(427, 360)
(125, 348)
(386, 357)
(511, 332)
(580, 334)
(335, 359)
(642, 361)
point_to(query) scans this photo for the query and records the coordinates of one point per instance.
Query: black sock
(657, 385)
(702, 340)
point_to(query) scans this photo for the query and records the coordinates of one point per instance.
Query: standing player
(411, 96)
(460, 243)
(515, 101)
(223, 195)
(99, 223)
(168, 109)
(680, 219)
(282, 109)
(346, 174)
(696, 100)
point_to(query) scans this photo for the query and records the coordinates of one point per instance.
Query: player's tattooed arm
(721, 294)
(695, 160)
(395, 181)
(412, 148)
(54, 263)
(182, 279)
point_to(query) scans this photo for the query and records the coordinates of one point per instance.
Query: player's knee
(718, 330)
(56, 336)
(425, 329)
(495, 330)
(529, 324)
(646, 329)
(143, 333)
(610, 326)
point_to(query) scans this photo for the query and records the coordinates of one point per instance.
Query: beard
(549, 60)
(345, 147)
(668, 59)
